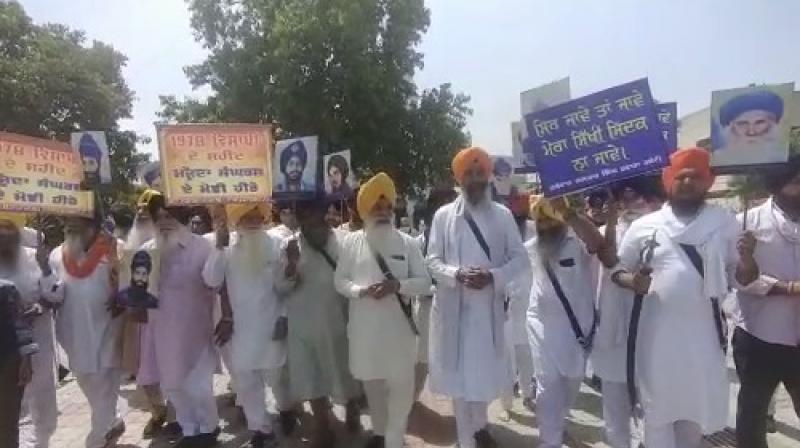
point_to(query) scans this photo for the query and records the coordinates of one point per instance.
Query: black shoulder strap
(406, 307)
(427, 236)
(478, 235)
(697, 262)
(695, 258)
(583, 340)
(324, 253)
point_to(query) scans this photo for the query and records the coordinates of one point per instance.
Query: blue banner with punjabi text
(607, 136)
(668, 119)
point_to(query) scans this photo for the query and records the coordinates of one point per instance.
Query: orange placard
(41, 176)
(215, 163)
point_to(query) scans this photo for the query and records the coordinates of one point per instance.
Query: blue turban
(502, 167)
(296, 148)
(142, 259)
(757, 100)
(89, 148)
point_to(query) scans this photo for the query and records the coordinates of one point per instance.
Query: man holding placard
(767, 337)
(474, 250)
(682, 377)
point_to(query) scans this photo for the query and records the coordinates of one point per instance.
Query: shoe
(207, 440)
(115, 433)
(772, 425)
(172, 430)
(188, 442)
(352, 419)
(154, 425)
(529, 403)
(376, 442)
(484, 440)
(264, 440)
(288, 420)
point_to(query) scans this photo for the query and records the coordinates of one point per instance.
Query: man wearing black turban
(293, 162)
(136, 295)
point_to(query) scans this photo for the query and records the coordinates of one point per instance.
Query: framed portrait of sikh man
(502, 173)
(93, 149)
(295, 167)
(339, 179)
(751, 125)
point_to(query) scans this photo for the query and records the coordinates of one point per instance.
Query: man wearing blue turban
(751, 130)
(91, 154)
(292, 162)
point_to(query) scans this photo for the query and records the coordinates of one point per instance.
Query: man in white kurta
(32, 278)
(467, 343)
(680, 356)
(637, 197)
(562, 259)
(382, 336)
(317, 341)
(85, 327)
(246, 267)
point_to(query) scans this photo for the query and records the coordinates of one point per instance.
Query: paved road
(431, 423)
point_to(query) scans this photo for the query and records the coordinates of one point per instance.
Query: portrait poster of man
(502, 177)
(339, 179)
(137, 295)
(149, 174)
(751, 125)
(295, 167)
(93, 149)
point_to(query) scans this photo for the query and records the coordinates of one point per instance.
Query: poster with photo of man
(339, 179)
(751, 125)
(295, 167)
(93, 149)
(502, 176)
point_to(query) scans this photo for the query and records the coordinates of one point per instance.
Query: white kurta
(84, 327)
(256, 306)
(614, 307)
(467, 347)
(553, 342)
(680, 366)
(381, 339)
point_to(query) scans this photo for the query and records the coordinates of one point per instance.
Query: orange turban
(697, 158)
(468, 157)
(370, 192)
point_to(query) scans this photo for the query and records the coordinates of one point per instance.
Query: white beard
(74, 247)
(140, 233)
(379, 236)
(248, 255)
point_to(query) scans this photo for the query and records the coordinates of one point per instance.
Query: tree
(340, 69)
(52, 84)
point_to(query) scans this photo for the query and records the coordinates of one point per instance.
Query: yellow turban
(468, 157)
(236, 211)
(541, 208)
(381, 185)
(146, 197)
(15, 218)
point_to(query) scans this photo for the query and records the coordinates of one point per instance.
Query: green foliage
(53, 83)
(340, 69)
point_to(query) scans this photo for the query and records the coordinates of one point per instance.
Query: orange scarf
(103, 246)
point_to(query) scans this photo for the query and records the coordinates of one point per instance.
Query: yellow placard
(205, 164)
(41, 176)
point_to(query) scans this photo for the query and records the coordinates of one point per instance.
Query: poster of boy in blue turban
(751, 126)
(93, 149)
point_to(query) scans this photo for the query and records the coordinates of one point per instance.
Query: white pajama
(101, 390)
(681, 434)
(556, 396)
(471, 417)
(194, 403)
(390, 402)
(617, 414)
(251, 386)
(522, 354)
(39, 401)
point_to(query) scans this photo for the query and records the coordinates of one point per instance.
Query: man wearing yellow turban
(561, 318)
(246, 267)
(379, 269)
(29, 270)
(474, 251)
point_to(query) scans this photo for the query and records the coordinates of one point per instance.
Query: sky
(493, 50)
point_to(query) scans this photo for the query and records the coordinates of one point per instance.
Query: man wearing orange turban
(379, 269)
(474, 251)
(691, 242)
